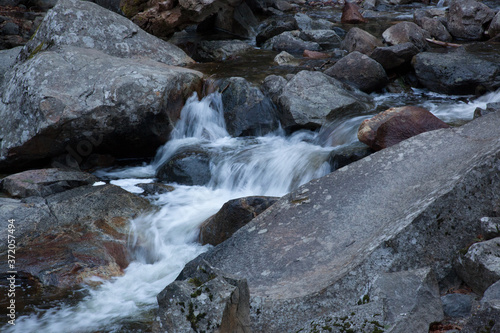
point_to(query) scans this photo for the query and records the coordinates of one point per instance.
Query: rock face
(480, 266)
(406, 32)
(457, 72)
(247, 111)
(467, 19)
(318, 249)
(80, 101)
(163, 18)
(78, 231)
(397, 124)
(359, 70)
(309, 99)
(85, 24)
(360, 40)
(231, 217)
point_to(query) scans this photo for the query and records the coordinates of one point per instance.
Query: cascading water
(164, 241)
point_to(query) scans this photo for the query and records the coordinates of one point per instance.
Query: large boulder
(163, 18)
(188, 166)
(87, 25)
(392, 57)
(320, 249)
(359, 40)
(290, 41)
(467, 19)
(307, 23)
(397, 124)
(326, 38)
(274, 27)
(311, 99)
(435, 28)
(247, 111)
(79, 101)
(494, 28)
(359, 70)
(458, 72)
(406, 32)
(73, 236)
(233, 215)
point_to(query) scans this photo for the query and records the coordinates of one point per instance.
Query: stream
(164, 241)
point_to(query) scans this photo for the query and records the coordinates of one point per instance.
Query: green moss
(36, 50)
(195, 281)
(194, 320)
(364, 300)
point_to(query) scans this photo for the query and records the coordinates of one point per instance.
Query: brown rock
(359, 40)
(397, 124)
(405, 32)
(231, 217)
(351, 14)
(315, 54)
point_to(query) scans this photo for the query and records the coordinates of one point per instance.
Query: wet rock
(339, 159)
(247, 111)
(360, 40)
(457, 72)
(273, 86)
(467, 19)
(233, 215)
(155, 188)
(310, 99)
(123, 107)
(491, 296)
(490, 107)
(480, 266)
(427, 217)
(44, 182)
(72, 237)
(315, 55)
(436, 29)
(406, 32)
(457, 305)
(275, 27)
(209, 300)
(392, 57)
(351, 14)
(188, 166)
(327, 39)
(286, 59)
(359, 70)
(490, 227)
(494, 28)
(219, 50)
(87, 25)
(397, 124)
(163, 18)
(306, 23)
(289, 41)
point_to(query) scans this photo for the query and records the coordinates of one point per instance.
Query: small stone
(457, 305)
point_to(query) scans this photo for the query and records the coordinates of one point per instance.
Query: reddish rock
(397, 124)
(351, 14)
(315, 55)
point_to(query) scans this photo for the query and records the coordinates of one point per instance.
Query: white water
(164, 241)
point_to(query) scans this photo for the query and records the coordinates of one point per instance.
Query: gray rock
(155, 188)
(359, 70)
(209, 301)
(491, 296)
(494, 28)
(188, 166)
(44, 182)
(286, 59)
(406, 32)
(306, 23)
(490, 107)
(339, 159)
(247, 111)
(435, 28)
(81, 101)
(310, 99)
(327, 39)
(10, 28)
(66, 238)
(457, 72)
(317, 250)
(485, 320)
(467, 19)
(274, 27)
(233, 215)
(360, 40)
(490, 227)
(289, 41)
(391, 57)
(7, 60)
(219, 50)
(457, 305)
(87, 25)
(480, 266)
(273, 86)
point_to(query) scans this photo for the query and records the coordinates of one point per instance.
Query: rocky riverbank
(403, 238)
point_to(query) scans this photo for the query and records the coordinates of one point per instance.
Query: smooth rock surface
(457, 305)
(188, 166)
(359, 40)
(317, 249)
(406, 32)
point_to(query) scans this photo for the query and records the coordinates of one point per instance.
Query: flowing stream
(164, 241)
